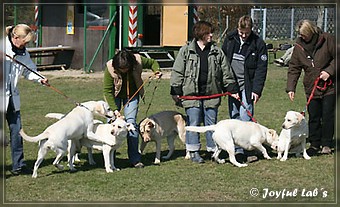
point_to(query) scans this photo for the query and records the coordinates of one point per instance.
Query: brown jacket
(137, 76)
(322, 59)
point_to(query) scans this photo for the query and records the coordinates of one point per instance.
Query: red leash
(327, 83)
(216, 96)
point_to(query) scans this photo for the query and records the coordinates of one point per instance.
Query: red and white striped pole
(36, 24)
(132, 26)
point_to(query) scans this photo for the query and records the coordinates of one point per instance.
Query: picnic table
(56, 56)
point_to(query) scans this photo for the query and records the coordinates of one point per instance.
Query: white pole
(264, 24)
(120, 27)
(292, 24)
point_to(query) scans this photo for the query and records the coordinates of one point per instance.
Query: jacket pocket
(251, 61)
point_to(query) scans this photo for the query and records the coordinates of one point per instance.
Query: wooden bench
(61, 56)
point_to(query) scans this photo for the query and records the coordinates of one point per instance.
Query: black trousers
(321, 121)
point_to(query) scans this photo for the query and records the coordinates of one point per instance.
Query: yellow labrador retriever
(74, 126)
(116, 131)
(230, 132)
(167, 124)
(293, 136)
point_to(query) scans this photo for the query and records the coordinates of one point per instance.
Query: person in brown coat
(314, 53)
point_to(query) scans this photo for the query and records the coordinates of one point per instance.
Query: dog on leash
(230, 132)
(167, 124)
(74, 126)
(116, 131)
(293, 136)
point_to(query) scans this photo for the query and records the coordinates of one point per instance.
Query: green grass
(176, 180)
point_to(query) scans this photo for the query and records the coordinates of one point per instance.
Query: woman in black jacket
(247, 54)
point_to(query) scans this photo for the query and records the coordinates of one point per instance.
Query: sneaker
(312, 151)
(241, 158)
(195, 157)
(22, 171)
(251, 159)
(279, 61)
(138, 165)
(326, 150)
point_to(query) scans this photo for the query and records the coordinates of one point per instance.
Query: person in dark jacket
(247, 53)
(201, 69)
(314, 53)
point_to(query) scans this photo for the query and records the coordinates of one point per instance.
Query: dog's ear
(99, 108)
(151, 124)
(299, 117)
(272, 133)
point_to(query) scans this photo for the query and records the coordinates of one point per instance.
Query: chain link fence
(279, 23)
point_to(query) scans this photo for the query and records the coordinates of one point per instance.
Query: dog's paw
(157, 162)
(268, 158)
(109, 170)
(220, 161)
(187, 156)
(34, 175)
(307, 157)
(283, 159)
(242, 165)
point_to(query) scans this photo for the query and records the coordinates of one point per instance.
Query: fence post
(264, 23)
(325, 21)
(292, 24)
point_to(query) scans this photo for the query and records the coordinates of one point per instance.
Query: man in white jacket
(17, 38)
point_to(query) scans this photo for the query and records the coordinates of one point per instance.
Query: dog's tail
(200, 128)
(55, 115)
(38, 138)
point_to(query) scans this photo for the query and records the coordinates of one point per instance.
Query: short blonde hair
(307, 28)
(22, 31)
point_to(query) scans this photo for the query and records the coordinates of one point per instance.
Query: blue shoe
(195, 157)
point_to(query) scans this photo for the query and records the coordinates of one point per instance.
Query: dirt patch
(81, 74)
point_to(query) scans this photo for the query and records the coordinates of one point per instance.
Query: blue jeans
(237, 111)
(14, 123)
(130, 113)
(195, 115)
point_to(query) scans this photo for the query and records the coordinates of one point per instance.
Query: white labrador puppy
(116, 131)
(230, 132)
(293, 136)
(167, 124)
(74, 126)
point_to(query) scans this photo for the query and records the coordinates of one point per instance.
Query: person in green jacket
(122, 79)
(201, 69)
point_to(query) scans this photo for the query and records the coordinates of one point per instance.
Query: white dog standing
(248, 135)
(293, 136)
(167, 124)
(74, 126)
(116, 131)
